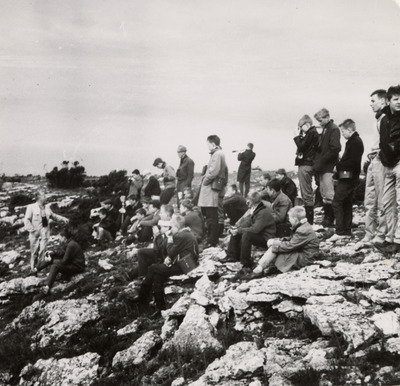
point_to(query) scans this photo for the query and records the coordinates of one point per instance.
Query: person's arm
(150, 222)
(261, 221)
(353, 157)
(213, 169)
(28, 220)
(176, 246)
(69, 253)
(190, 173)
(56, 217)
(280, 210)
(333, 148)
(306, 142)
(298, 240)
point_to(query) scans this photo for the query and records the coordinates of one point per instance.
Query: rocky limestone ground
(336, 322)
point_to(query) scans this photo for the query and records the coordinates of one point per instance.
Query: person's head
(187, 205)
(159, 163)
(296, 215)
(146, 202)
(140, 213)
(280, 173)
(305, 123)
(154, 205)
(187, 192)
(266, 177)
(322, 116)
(146, 174)
(166, 212)
(348, 127)
(232, 190)
(378, 100)
(253, 199)
(393, 95)
(107, 204)
(177, 223)
(250, 146)
(65, 235)
(181, 151)
(103, 213)
(213, 142)
(41, 197)
(273, 188)
(131, 200)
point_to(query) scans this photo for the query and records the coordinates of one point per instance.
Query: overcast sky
(115, 84)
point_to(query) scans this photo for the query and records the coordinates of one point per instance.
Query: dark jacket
(281, 207)
(235, 207)
(74, 255)
(307, 145)
(109, 224)
(160, 247)
(244, 170)
(261, 221)
(152, 188)
(194, 220)
(289, 188)
(327, 155)
(351, 159)
(184, 243)
(389, 138)
(185, 173)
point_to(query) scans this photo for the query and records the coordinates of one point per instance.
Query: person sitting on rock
(131, 205)
(71, 262)
(254, 228)
(106, 228)
(181, 242)
(297, 252)
(193, 219)
(135, 184)
(151, 219)
(135, 232)
(288, 187)
(168, 178)
(234, 203)
(281, 204)
(264, 180)
(37, 223)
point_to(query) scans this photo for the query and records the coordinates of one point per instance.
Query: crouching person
(181, 242)
(72, 262)
(296, 253)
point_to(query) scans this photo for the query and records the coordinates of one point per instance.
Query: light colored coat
(209, 197)
(33, 218)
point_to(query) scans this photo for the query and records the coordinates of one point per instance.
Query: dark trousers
(211, 215)
(342, 205)
(166, 195)
(239, 246)
(146, 258)
(57, 266)
(158, 274)
(244, 186)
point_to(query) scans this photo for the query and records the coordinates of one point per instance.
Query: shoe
(210, 245)
(252, 276)
(385, 248)
(228, 259)
(395, 249)
(242, 273)
(336, 237)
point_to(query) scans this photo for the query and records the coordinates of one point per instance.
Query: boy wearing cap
(185, 172)
(243, 175)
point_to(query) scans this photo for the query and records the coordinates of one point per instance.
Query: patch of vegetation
(308, 376)
(19, 199)
(114, 182)
(67, 178)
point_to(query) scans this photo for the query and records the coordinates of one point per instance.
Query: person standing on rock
(212, 189)
(326, 158)
(243, 175)
(37, 223)
(348, 169)
(306, 140)
(71, 263)
(185, 171)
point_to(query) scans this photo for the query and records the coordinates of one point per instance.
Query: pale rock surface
(389, 296)
(241, 359)
(79, 371)
(168, 329)
(388, 323)
(63, 318)
(179, 308)
(10, 220)
(9, 257)
(195, 331)
(289, 308)
(393, 345)
(19, 285)
(334, 314)
(128, 329)
(204, 291)
(173, 289)
(233, 299)
(365, 273)
(138, 352)
(278, 380)
(105, 264)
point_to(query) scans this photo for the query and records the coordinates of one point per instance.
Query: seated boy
(296, 253)
(106, 228)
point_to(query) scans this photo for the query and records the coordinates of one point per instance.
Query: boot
(329, 217)
(310, 214)
(159, 300)
(144, 293)
(221, 227)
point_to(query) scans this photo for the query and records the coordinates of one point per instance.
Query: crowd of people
(167, 218)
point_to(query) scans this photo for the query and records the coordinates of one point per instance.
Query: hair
(297, 212)
(250, 145)
(393, 90)
(234, 187)
(141, 211)
(381, 93)
(305, 119)
(168, 209)
(66, 232)
(132, 197)
(266, 176)
(254, 197)
(136, 171)
(103, 211)
(155, 203)
(322, 113)
(39, 193)
(275, 184)
(179, 220)
(187, 203)
(214, 139)
(348, 124)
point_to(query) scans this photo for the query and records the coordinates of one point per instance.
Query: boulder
(9, 257)
(369, 273)
(19, 286)
(334, 313)
(138, 352)
(241, 360)
(131, 328)
(387, 322)
(388, 297)
(80, 370)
